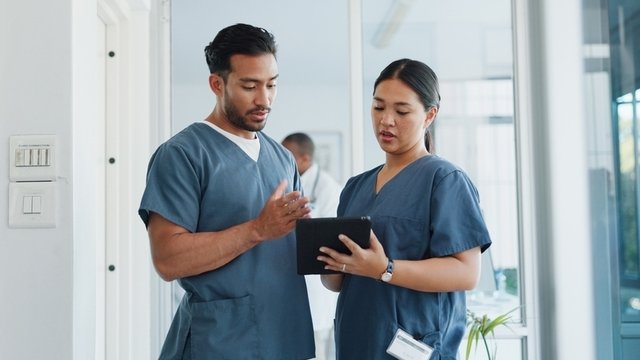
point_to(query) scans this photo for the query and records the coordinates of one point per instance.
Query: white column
(563, 236)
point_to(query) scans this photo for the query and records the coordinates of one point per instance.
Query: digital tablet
(311, 234)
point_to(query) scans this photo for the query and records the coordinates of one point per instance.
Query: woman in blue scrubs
(405, 293)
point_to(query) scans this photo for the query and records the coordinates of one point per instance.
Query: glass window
(628, 108)
(471, 53)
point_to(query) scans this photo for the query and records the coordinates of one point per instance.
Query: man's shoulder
(187, 137)
(269, 142)
(188, 143)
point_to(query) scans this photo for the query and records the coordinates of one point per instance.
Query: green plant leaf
(473, 337)
(500, 320)
(469, 344)
(481, 327)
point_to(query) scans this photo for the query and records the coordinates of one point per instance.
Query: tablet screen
(311, 234)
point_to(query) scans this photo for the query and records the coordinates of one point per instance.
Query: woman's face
(399, 118)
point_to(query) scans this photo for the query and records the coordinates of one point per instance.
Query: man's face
(248, 93)
(303, 161)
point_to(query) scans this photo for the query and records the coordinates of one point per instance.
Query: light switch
(32, 204)
(32, 158)
(36, 204)
(27, 204)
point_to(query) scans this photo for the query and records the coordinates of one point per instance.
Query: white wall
(36, 273)
(49, 302)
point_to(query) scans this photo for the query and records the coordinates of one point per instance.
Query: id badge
(405, 347)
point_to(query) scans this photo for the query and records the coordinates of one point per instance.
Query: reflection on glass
(629, 206)
(627, 98)
(625, 88)
(627, 131)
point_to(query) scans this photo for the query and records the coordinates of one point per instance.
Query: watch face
(386, 277)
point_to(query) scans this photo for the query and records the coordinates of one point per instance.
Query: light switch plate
(32, 158)
(22, 198)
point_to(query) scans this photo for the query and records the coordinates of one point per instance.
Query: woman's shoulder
(436, 162)
(440, 169)
(436, 166)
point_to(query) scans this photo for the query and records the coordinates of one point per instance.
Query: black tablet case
(311, 234)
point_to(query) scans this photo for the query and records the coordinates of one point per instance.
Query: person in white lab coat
(323, 192)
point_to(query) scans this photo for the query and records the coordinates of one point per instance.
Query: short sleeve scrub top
(429, 209)
(202, 181)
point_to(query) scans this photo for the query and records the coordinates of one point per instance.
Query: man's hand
(278, 216)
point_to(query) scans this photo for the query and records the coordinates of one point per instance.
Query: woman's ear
(216, 83)
(431, 115)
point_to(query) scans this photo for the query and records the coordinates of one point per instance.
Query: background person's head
(421, 79)
(302, 148)
(236, 39)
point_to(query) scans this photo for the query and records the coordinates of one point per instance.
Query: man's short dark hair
(303, 141)
(237, 39)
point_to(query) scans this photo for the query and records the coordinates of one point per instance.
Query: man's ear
(304, 162)
(216, 83)
(308, 159)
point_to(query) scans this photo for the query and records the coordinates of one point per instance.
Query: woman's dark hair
(237, 39)
(419, 77)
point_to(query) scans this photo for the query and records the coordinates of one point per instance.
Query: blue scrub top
(429, 209)
(254, 307)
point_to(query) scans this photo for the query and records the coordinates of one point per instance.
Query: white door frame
(100, 186)
(125, 254)
(108, 279)
(161, 306)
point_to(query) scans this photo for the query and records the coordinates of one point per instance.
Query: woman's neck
(395, 163)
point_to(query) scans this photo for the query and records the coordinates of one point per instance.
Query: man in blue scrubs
(220, 204)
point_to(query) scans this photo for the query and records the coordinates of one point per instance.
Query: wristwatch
(388, 274)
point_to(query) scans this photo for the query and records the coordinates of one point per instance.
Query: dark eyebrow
(398, 103)
(257, 80)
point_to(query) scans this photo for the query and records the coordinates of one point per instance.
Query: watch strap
(388, 274)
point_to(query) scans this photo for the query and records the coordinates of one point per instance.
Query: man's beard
(240, 121)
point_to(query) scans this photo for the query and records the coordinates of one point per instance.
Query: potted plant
(480, 327)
